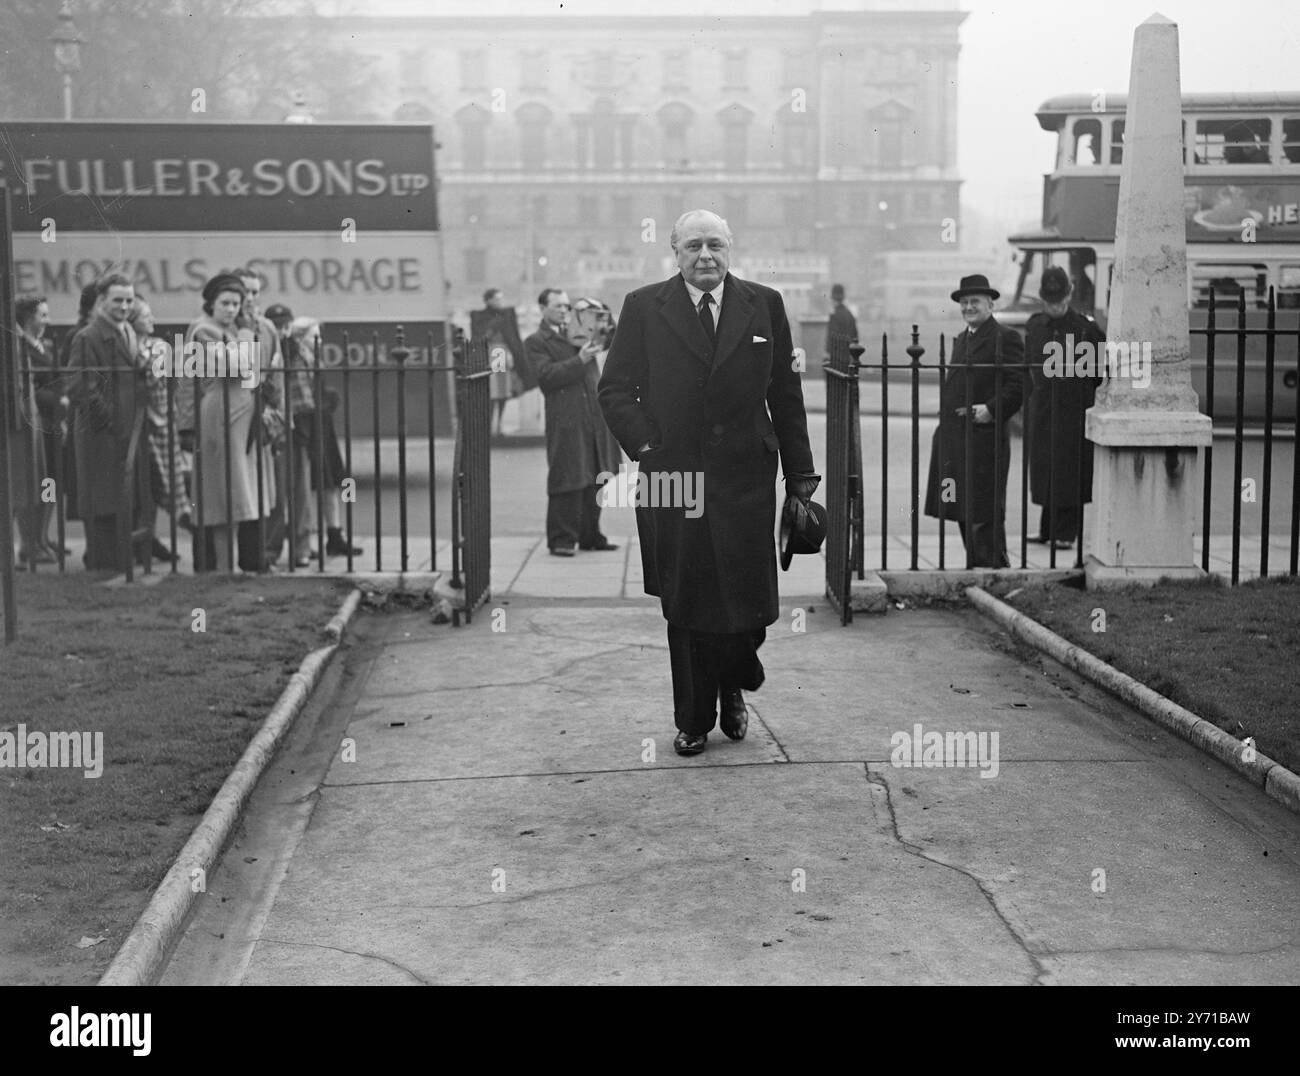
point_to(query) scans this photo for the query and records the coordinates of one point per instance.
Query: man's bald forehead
(706, 215)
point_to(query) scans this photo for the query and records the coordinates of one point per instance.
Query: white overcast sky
(1014, 55)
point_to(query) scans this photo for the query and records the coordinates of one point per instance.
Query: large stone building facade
(568, 147)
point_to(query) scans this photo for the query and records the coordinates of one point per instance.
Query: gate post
(9, 401)
(1146, 423)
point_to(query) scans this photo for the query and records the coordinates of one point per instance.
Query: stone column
(1146, 423)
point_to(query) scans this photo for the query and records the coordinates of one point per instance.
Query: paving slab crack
(881, 792)
(352, 952)
(1185, 949)
(771, 735)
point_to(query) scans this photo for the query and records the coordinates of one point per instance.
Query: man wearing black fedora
(982, 390)
(1060, 456)
(701, 383)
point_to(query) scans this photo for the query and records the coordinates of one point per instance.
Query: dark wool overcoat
(997, 346)
(107, 402)
(577, 443)
(1065, 454)
(719, 416)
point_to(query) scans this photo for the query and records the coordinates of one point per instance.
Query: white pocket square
(760, 340)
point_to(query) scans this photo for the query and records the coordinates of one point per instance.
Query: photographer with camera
(577, 440)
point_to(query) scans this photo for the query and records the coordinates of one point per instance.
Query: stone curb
(1274, 778)
(145, 951)
(951, 584)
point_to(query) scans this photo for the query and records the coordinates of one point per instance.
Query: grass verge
(81, 856)
(1227, 654)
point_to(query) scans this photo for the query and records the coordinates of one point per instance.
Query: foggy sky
(1014, 55)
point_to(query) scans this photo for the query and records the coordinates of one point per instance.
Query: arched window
(473, 122)
(533, 120)
(735, 120)
(675, 120)
(794, 132)
(892, 131)
(412, 112)
(604, 131)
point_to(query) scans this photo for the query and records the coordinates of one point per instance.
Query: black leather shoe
(563, 551)
(337, 546)
(599, 548)
(162, 553)
(734, 718)
(686, 744)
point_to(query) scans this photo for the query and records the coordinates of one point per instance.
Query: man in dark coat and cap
(701, 388)
(1065, 350)
(578, 451)
(977, 399)
(107, 387)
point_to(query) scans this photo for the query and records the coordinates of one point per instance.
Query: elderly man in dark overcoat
(108, 390)
(982, 390)
(1065, 350)
(701, 388)
(578, 452)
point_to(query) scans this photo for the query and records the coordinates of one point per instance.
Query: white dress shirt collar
(695, 294)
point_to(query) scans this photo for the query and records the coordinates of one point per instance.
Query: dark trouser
(251, 557)
(707, 665)
(987, 544)
(573, 518)
(1066, 527)
(101, 544)
(277, 526)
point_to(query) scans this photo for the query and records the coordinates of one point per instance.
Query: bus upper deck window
(1291, 139)
(1233, 141)
(1117, 142)
(1288, 287)
(1087, 142)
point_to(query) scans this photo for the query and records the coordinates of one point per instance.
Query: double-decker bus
(1241, 169)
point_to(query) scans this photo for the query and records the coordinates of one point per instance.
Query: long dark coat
(577, 444)
(723, 417)
(1072, 455)
(27, 428)
(995, 345)
(107, 402)
(503, 325)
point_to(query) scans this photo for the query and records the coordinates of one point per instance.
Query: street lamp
(67, 53)
(300, 113)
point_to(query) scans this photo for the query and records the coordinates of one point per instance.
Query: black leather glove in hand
(802, 488)
(794, 512)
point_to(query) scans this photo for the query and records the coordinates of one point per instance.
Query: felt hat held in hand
(804, 535)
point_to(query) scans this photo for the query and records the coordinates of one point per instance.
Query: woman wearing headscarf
(26, 441)
(36, 356)
(229, 445)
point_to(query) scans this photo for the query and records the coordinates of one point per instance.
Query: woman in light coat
(230, 447)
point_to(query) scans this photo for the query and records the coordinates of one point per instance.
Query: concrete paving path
(504, 806)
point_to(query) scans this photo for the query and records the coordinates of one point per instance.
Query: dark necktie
(706, 319)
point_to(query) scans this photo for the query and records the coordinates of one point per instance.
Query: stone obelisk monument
(1146, 432)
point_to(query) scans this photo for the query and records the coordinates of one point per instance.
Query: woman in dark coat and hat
(982, 390)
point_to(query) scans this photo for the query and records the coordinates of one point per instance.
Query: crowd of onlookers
(236, 452)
